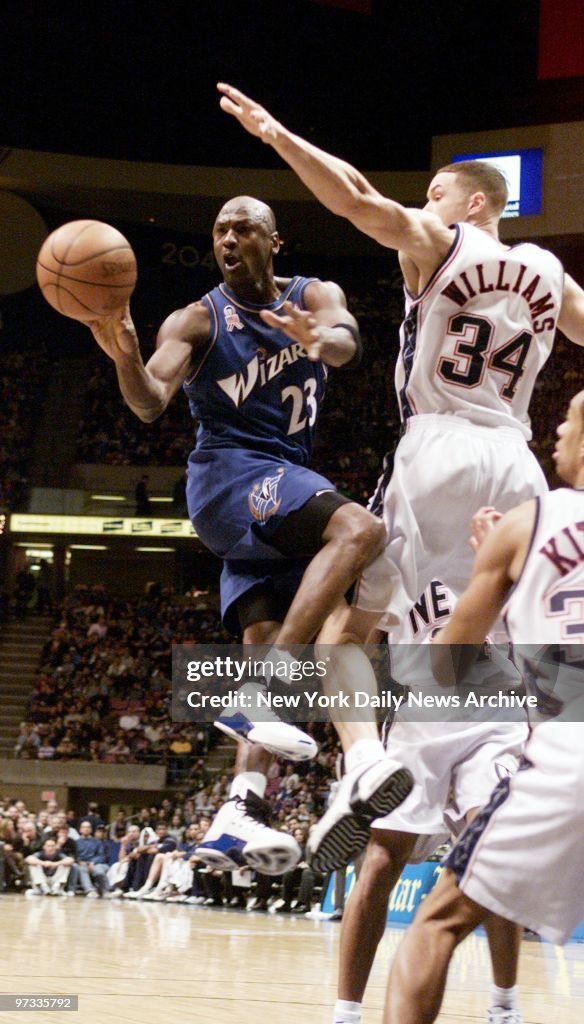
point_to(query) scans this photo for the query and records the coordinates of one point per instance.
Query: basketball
(86, 270)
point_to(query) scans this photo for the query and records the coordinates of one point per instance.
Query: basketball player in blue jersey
(252, 356)
(522, 856)
(480, 323)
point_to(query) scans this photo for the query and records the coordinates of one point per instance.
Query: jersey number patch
(304, 407)
(474, 353)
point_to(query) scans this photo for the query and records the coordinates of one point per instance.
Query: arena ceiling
(135, 79)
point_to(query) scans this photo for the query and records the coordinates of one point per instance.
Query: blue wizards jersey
(253, 387)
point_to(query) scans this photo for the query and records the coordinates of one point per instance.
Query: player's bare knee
(381, 865)
(359, 531)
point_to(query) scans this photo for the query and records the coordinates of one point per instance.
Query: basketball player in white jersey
(456, 764)
(480, 325)
(522, 856)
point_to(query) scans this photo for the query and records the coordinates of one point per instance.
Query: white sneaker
(91, 896)
(261, 725)
(240, 835)
(35, 891)
(135, 894)
(154, 894)
(196, 901)
(499, 1015)
(370, 791)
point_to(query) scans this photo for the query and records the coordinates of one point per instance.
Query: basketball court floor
(133, 962)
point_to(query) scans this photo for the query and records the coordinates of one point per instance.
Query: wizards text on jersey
(253, 387)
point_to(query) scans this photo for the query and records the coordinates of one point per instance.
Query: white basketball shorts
(522, 856)
(444, 470)
(456, 766)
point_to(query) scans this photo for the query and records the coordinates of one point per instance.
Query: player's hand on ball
(481, 525)
(254, 118)
(116, 334)
(300, 325)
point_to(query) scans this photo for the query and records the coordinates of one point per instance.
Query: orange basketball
(86, 269)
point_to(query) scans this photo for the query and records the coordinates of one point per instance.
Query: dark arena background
(110, 112)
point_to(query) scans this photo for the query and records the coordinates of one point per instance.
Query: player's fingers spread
(229, 90)
(228, 106)
(236, 96)
(273, 320)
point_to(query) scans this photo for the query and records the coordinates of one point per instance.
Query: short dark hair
(483, 177)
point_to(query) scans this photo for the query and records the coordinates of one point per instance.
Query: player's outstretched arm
(325, 329)
(571, 319)
(338, 185)
(148, 389)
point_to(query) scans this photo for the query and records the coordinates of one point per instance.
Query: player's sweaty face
(242, 244)
(447, 198)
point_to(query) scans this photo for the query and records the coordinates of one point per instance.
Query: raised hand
(254, 118)
(481, 525)
(116, 335)
(300, 325)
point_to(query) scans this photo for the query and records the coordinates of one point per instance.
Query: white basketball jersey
(546, 605)
(410, 656)
(475, 339)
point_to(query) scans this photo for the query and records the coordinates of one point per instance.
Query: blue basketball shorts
(237, 500)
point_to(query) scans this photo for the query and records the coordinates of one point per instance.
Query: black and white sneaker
(370, 791)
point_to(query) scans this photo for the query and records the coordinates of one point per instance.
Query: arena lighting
(142, 528)
(88, 547)
(168, 500)
(152, 550)
(40, 551)
(26, 544)
(108, 497)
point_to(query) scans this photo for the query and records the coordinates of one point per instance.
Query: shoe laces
(253, 807)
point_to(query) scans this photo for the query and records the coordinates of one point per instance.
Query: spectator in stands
(121, 875)
(63, 821)
(31, 840)
(143, 505)
(44, 588)
(118, 825)
(92, 815)
(179, 497)
(174, 870)
(176, 829)
(49, 870)
(150, 863)
(91, 862)
(65, 843)
(28, 739)
(298, 885)
(12, 857)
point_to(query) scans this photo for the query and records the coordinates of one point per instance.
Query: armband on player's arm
(358, 355)
(331, 346)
